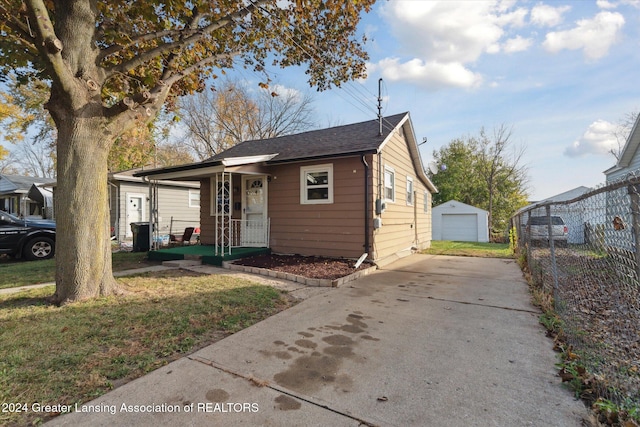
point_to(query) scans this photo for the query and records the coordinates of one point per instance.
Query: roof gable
(454, 204)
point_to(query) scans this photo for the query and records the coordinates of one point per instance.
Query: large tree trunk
(83, 245)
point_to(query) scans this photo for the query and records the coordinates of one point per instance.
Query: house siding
(207, 222)
(333, 230)
(172, 202)
(404, 227)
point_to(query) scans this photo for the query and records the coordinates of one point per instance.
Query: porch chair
(185, 239)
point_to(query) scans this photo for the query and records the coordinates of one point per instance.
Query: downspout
(366, 204)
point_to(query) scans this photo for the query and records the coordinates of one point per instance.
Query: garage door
(461, 227)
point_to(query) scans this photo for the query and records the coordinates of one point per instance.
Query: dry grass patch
(70, 354)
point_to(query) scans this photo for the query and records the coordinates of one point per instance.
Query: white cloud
(444, 31)
(439, 38)
(430, 74)
(594, 36)
(284, 91)
(605, 4)
(514, 19)
(544, 15)
(517, 44)
(599, 139)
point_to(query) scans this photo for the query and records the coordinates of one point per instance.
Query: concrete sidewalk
(428, 341)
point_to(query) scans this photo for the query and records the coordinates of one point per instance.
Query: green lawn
(74, 353)
(20, 273)
(487, 250)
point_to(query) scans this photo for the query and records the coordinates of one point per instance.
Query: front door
(254, 231)
(135, 210)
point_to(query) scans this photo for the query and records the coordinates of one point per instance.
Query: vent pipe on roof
(380, 106)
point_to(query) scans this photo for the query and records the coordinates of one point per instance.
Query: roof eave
(322, 157)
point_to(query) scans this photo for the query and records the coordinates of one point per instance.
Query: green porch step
(204, 253)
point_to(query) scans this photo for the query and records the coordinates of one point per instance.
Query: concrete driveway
(427, 341)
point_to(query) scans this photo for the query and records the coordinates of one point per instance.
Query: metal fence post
(554, 267)
(528, 241)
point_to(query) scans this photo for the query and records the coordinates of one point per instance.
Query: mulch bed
(306, 266)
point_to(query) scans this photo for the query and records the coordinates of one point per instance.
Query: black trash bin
(140, 236)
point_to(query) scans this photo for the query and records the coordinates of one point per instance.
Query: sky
(560, 73)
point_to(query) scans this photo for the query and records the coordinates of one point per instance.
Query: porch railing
(243, 233)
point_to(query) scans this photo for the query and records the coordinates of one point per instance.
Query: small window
(316, 184)
(409, 191)
(426, 202)
(389, 184)
(194, 198)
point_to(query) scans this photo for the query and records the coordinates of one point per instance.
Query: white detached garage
(458, 221)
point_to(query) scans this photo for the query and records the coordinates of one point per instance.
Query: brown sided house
(337, 192)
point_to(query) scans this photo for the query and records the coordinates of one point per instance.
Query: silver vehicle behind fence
(538, 229)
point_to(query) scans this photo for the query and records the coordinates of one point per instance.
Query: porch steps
(182, 263)
(203, 254)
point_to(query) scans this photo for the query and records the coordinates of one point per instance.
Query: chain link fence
(585, 253)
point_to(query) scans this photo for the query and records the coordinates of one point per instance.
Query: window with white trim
(316, 184)
(426, 202)
(389, 184)
(409, 191)
(194, 198)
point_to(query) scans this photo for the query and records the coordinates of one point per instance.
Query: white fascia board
(187, 174)
(236, 161)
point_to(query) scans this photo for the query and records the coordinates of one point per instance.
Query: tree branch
(180, 74)
(140, 39)
(197, 35)
(18, 27)
(51, 46)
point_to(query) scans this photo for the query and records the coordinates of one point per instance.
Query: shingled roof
(338, 141)
(20, 184)
(335, 141)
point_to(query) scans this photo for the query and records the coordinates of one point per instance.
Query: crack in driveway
(264, 383)
(523, 310)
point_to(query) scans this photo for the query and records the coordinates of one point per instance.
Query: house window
(194, 198)
(220, 196)
(426, 202)
(316, 184)
(389, 184)
(409, 191)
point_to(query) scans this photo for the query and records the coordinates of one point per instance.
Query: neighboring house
(618, 204)
(337, 192)
(24, 196)
(132, 199)
(629, 158)
(458, 221)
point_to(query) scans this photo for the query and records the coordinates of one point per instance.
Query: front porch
(205, 253)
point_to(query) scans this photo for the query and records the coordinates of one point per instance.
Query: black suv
(29, 238)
